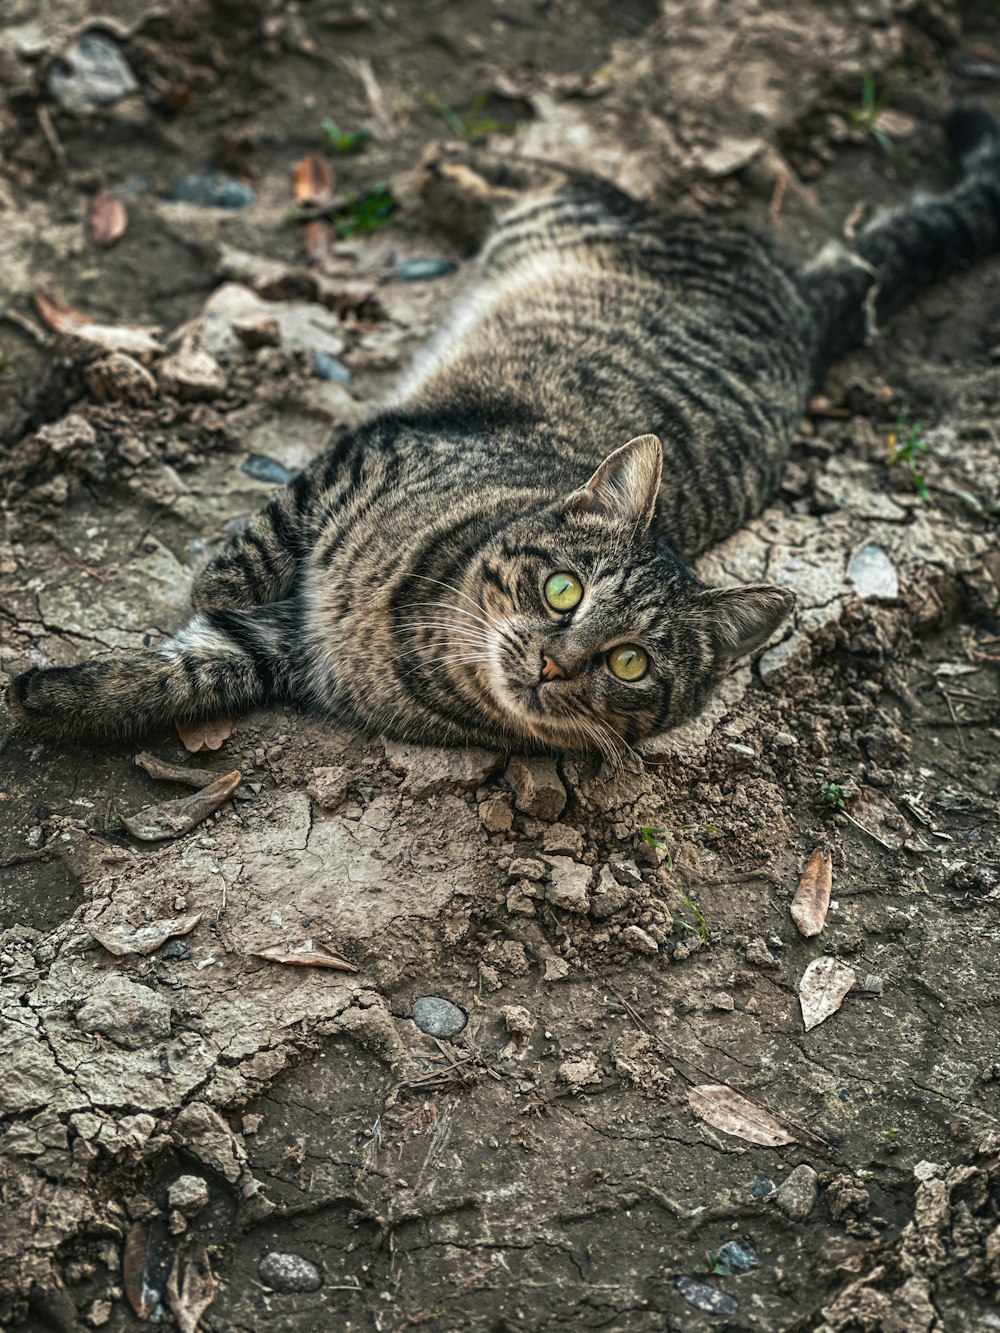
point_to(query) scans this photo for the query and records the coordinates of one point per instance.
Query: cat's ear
(742, 619)
(625, 486)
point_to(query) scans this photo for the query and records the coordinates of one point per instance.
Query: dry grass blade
(196, 1289)
(812, 898)
(312, 181)
(169, 819)
(107, 220)
(310, 953)
(204, 735)
(824, 984)
(147, 938)
(726, 1109)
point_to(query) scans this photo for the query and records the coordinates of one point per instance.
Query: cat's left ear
(625, 486)
(743, 619)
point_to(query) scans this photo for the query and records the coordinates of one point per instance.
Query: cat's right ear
(624, 488)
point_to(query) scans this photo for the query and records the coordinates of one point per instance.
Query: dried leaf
(197, 1289)
(897, 124)
(812, 898)
(138, 340)
(107, 220)
(312, 181)
(147, 938)
(819, 406)
(317, 240)
(310, 953)
(169, 819)
(824, 984)
(204, 735)
(726, 1109)
(164, 772)
(146, 1267)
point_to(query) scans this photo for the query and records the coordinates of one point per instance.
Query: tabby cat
(463, 567)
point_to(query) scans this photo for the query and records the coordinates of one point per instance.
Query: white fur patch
(198, 635)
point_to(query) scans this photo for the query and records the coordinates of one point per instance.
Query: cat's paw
(33, 699)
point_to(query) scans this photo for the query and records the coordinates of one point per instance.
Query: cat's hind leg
(222, 664)
(258, 565)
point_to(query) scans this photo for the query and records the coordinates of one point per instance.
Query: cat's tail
(222, 664)
(854, 286)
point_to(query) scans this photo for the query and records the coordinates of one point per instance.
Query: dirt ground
(632, 1130)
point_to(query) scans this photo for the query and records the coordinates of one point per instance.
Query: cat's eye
(628, 662)
(563, 591)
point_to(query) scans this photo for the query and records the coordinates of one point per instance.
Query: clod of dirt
(202, 1132)
(170, 819)
(824, 984)
(289, 1272)
(131, 1015)
(429, 769)
(188, 1194)
(760, 955)
(562, 840)
(812, 898)
(91, 73)
(328, 787)
(639, 940)
(126, 938)
(537, 787)
(569, 884)
(495, 815)
(580, 1072)
(704, 1297)
(610, 896)
(118, 378)
(192, 375)
(797, 1193)
(437, 1017)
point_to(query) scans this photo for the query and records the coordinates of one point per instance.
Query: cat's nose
(551, 669)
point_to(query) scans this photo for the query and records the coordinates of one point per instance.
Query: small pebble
(704, 1297)
(211, 189)
(422, 270)
(737, 1257)
(438, 1018)
(722, 1000)
(93, 73)
(762, 1188)
(188, 1194)
(784, 740)
(289, 1272)
(262, 468)
(872, 984)
(329, 368)
(176, 949)
(35, 837)
(797, 1193)
(744, 751)
(636, 939)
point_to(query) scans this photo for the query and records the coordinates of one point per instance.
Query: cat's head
(594, 633)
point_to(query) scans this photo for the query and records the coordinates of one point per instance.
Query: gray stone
(431, 769)
(760, 955)
(289, 1272)
(636, 939)
(537, 787)
(562, 840)
(129, 1014)
(188, 1194)
(569, 885)
(92, 73)
(192, 374)
(873, 573)
(438, 1018)
(797, 1194)
(704, 1297)
(610, 896)
(527, 867)
(762, 1188)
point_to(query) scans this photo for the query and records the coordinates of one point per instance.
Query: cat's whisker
(451, 587)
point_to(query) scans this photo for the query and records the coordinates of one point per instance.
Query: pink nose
(551, 669)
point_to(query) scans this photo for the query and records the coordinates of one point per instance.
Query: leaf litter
(822, 989)
(138, 340)
(146, 1267)
(312, 181)
(161, 771)
(812, 898)
(191, 1288)
(310, 953)
(107, 219)
(204, 735)
(724, 1108)
(147, 938)
(169, 819)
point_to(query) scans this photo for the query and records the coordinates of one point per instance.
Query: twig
(51, 137)
(881, 841)
(954, 716)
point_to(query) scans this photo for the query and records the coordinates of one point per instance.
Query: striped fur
(399, 582)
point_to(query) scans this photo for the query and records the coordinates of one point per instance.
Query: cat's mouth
(538, 706)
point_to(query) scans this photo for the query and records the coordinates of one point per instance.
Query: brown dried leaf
(147, 938)
(310, 953)
(169, 819)
(146, 1267)
(820, 406)
(726, 1109)
(164, 772)
(824, 984)
(191, 1297)
(897, 124)
(204, 735)
(812, 898)
(107, 220)
(312, 181)
(138, 340)
(317, 240)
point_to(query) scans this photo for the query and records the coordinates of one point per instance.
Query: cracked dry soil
(545, 1167)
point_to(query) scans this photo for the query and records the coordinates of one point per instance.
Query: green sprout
(345, 141)
(472, 126)
(701, 927)
(366, 212)
(864, 119)
(905, 445)
(114, 825)
(831, 795)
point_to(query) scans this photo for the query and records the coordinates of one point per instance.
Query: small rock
(203, 1133)
(555, 969)
(526, 867)
(538, 790)
(262, 468)
(130, 1015)
(560, 839)
(518, 1021)
(99, 1314)
(744, 751)
(873, 573)
(330, 369)
(636, 939)
(704, 1297)
(760, 955)
(580, 1072)
(438, 1018)
(722, 1000)
(421, 270)
(117, 378)
(328, 787)
(192, 374)
(92, 73)
(177, 1223)
(259, 332)
(610, 896)
(872, 984)
(625, 872)
(569, 885)
(737, 1257)
(289, 1272)
(211, 189)
(431, 769)
(35, 837)
(176, 949)
(72, 432)
(521, 898)
(796, 1195)
(188, 1194)
(784, 740)
(495, 815)
(762, 1188)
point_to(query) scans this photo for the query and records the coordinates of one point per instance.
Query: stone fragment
(762, 1188)
(537, 787)
(610, 896)
(625, 872)
(99, 1314)
(760, 955)
(520, 898)
(704, 1297)
(192, 374)
(636, 939)
(797, 1193)
(203, 1132)
(328, 787)
(289, 1272)
(131, 1015)
(72, 432)
(495, 815)
(569, 885)
(562, 840)
(431, 769)
(873, 573)
(91, 73)
(211, 189)
(437, 1017)
(784, 740)
(724, 1001)
(527, 867)
(117, 378)
(188, 1194)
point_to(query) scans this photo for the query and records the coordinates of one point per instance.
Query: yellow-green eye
(563, 591)
(628, 661)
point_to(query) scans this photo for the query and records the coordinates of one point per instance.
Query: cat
(489, 558)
